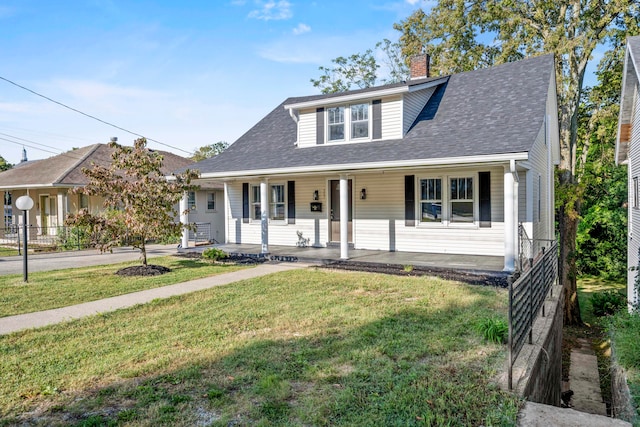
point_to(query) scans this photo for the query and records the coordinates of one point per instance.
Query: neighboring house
(628, 152)
(448, 164)
(50, 182)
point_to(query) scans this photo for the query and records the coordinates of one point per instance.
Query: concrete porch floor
(479, 264)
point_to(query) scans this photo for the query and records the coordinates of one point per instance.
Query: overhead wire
(90, 116)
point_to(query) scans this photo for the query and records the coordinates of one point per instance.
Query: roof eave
(398, 164)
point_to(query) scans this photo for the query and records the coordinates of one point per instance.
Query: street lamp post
(24, 203)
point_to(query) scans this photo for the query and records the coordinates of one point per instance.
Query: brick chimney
(419, 66)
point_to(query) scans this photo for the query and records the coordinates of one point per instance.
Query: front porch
(466, 264)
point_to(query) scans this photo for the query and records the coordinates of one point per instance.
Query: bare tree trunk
(143, 253)
(568, 227)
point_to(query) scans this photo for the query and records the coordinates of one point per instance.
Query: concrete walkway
(584, 380)
(49, 317)
(539, 415)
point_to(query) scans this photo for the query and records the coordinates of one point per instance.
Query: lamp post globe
(24, 203)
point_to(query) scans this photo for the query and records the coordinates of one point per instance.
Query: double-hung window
(191, 200)
(359, 121)
(431, 200)
(276, 202)
(276, 211)
(336, 123)
(255, 202)
(461, 200)
(211, 201)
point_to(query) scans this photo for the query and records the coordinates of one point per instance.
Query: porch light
(24, 203)
(363, 194)
(315, 195)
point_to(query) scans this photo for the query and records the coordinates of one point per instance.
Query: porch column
(184, 219)
(510, 219)
(344, 217)
(227, 213)
(264, 215)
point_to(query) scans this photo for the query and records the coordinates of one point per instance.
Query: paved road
(72, 259)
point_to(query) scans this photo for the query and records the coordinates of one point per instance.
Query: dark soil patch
(484, 279)
(143, 270)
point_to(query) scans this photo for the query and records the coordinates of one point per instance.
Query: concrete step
(539, 415)
(584, 380)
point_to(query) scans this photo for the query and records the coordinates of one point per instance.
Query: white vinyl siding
(307, 128)
(391, 113)
(633, 171)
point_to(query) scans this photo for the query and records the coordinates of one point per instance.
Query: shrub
(494, 330)
(607, 303)
(214, 254)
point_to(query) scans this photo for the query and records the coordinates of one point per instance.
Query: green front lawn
(8, 251)
(303, 347)
(59, 288)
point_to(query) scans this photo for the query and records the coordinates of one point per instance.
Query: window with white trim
(431, 200)
(636, 193)
(191, 200)
(255, 202)
(359, 121)
(84, 201)
(348, 123)
(335, 121)
(211, 201)
(461, 199)
(276, 208)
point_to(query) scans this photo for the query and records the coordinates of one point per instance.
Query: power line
(30, 146)
(90, 116)
(28, 140)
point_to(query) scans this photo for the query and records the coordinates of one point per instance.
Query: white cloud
(301, 29)
(412, 2)
(272, 10)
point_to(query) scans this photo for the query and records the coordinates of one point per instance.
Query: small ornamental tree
(139, 200)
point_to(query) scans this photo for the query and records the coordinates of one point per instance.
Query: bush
(494, 330)
(607, 303)
(214, 254)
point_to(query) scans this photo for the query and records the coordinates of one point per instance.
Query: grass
(625, 330)
(8, 251)
(59, 288)
(303, 347)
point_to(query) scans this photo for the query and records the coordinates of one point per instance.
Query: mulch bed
(143, 270)
(446, 274)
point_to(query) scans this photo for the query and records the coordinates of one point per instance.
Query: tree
(4, 165)
(570, 29)
(361, 70)
(601, 237)
(210, 150)
(137, 196)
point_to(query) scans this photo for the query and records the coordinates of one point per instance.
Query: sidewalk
(49, 317)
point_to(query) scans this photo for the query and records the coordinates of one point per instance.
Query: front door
(334, 186)
(44, 214)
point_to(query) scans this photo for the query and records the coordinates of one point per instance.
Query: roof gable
(630, 79)
(65, 170)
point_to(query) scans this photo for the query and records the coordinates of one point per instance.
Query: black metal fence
(526, 298)
(59, 238)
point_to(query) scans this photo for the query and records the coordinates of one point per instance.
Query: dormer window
(336, 123)
(360, 121)
(354, 117)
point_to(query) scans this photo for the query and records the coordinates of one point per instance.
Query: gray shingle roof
(66, 169)
(491, 111)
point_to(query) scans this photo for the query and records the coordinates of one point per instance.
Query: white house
(449, 164)
(628, 152)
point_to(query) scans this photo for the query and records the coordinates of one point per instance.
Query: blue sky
(186, 74)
